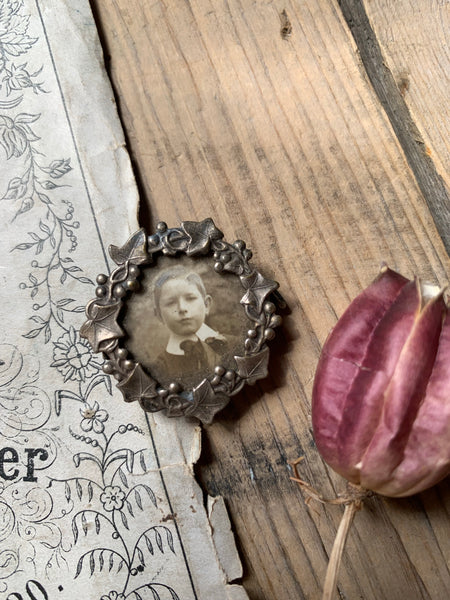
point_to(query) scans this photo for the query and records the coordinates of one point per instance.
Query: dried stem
(353, 501)
(329, 587)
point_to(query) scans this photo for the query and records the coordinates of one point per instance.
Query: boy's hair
(178, 272)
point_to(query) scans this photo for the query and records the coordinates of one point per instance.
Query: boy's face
(182, 306)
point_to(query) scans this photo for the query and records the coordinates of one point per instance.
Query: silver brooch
(184, 319)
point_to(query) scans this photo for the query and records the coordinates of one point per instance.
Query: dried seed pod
(381, 398)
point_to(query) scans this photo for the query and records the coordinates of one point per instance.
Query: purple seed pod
(381, 397)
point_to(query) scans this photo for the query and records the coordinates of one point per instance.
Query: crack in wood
(391, 97)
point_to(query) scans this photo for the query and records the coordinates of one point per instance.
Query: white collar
(204, 332)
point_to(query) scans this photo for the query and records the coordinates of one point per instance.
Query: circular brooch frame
(105, 334)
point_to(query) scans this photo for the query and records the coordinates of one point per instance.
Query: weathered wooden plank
(404, 49)
(281, 139)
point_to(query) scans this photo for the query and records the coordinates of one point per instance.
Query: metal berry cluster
(234, 258)
(111, 291)
(121, 281)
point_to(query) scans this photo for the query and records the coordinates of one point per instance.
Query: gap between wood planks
(390, 95)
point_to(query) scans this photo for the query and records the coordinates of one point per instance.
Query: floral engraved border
(30, 524)
(105, 509)
(38, 183)
(103, 331)
(102, 508)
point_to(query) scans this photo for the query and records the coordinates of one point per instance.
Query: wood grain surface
(261, 115)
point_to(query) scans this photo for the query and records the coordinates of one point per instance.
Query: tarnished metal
(105, 332)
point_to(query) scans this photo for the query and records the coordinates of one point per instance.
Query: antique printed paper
(97, 499)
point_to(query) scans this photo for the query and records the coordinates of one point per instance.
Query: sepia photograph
(185, 320)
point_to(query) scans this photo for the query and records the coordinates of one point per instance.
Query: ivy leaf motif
(235, 264)
(252, 368)
(201, 235)
(139, 386)
(176, 405)
(206, 403)
(102, 326)
(258, 288)
(134, 250)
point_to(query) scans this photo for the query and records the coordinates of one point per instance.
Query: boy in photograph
(182, 305)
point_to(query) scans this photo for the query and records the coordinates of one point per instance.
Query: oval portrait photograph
(185, 320)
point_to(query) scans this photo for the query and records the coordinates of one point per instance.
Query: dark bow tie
(219, 346)
(195, 351)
